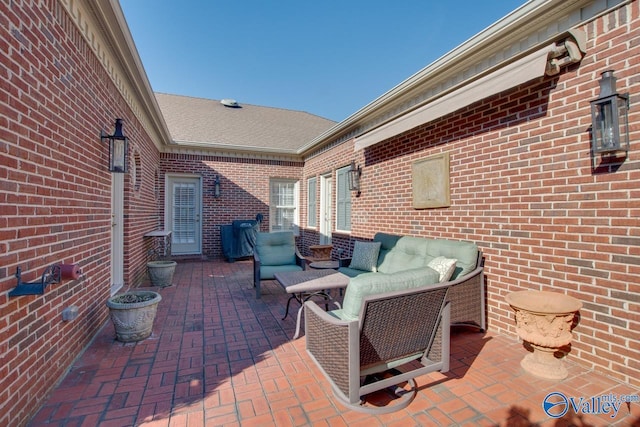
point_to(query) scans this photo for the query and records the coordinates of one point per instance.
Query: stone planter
(544, 320)
(133, 313)
(161, 272)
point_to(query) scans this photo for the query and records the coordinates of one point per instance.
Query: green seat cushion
(268, 271)
(351, 272)
(376, 283)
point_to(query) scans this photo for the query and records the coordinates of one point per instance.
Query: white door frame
(326, 183)
(117, 232)
(168, 217)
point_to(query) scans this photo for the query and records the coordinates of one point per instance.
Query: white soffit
(521, 71)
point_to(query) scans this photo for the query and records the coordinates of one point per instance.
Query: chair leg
(286, 313)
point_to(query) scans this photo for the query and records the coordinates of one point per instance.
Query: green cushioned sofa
(412, 254)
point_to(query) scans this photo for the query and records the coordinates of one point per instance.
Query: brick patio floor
(218, 356)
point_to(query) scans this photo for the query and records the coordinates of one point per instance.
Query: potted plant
(133, 313)
(161, 272)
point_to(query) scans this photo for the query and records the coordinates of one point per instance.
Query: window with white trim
(283, 205)
(343, 200)
(312, 211)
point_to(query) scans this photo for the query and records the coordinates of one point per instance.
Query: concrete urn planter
(544, 320)
(133, 313)
(161, 272)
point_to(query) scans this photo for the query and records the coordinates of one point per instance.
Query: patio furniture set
(402, 294)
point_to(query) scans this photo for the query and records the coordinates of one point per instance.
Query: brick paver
(218, 356)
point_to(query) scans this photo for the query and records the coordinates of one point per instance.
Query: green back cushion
(466, 254)
(376, 283)
(409, 252)
(387, 242)
(399, 253)
(276, 248)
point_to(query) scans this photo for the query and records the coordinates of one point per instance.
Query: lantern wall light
(216, 187)
(609, 118)
(354, 178)
(118, 148)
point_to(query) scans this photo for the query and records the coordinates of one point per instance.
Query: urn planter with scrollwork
(544, 320)
(133, 313)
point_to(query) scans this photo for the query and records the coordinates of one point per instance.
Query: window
(312, 211)
(283, 205)
(343, 200)
(136, 173)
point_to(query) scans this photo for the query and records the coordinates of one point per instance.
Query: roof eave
(111, 18)
(488, 42)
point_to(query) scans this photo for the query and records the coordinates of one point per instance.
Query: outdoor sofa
(395, 254)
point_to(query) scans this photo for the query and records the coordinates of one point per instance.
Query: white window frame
(343, 200)
(312, 204)
(274, 206)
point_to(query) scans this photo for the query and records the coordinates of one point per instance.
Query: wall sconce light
(118, 148)
(354, 178)
(609, 118)
(216, 187)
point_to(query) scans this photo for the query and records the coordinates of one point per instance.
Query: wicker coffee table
(306, 284)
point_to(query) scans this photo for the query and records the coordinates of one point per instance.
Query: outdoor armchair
(405, 332)
(275, 252)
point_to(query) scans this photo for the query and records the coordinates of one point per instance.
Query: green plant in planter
(133, 313)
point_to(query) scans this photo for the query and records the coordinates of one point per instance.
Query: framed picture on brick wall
(430, 182)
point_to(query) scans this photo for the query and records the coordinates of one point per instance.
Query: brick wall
(244, 189)
(55, 197)
(523, 188)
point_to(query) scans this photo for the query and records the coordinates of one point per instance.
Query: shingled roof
(202, 122)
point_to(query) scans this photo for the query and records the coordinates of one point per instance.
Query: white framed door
(183, 210)
(117, 232)
(326, 185)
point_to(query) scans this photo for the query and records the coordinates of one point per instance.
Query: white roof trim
(521, 71)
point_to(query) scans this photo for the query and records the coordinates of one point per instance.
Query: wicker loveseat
(387, 332)
(401, 253)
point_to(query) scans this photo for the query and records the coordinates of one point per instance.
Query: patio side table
(325, 265)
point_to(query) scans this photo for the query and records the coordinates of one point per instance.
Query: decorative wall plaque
(430, 182)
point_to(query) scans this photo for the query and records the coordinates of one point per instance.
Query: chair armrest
(334, 346)
(256, 273)
(468, 299)
(300, 259)
(344, 262)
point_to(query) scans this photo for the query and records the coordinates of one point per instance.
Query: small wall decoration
(430, 182)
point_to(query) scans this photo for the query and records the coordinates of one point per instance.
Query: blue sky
(326, 57)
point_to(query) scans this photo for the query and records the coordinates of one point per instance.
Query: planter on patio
(133, 313)
(161, 272)
(544, 320)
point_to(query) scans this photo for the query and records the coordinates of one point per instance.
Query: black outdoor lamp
(118, 148)
(609, 118)
(354, 178)
(216, 187)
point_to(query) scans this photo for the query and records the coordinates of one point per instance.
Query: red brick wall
(523, 188)
(244, 189)
(55, 197)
